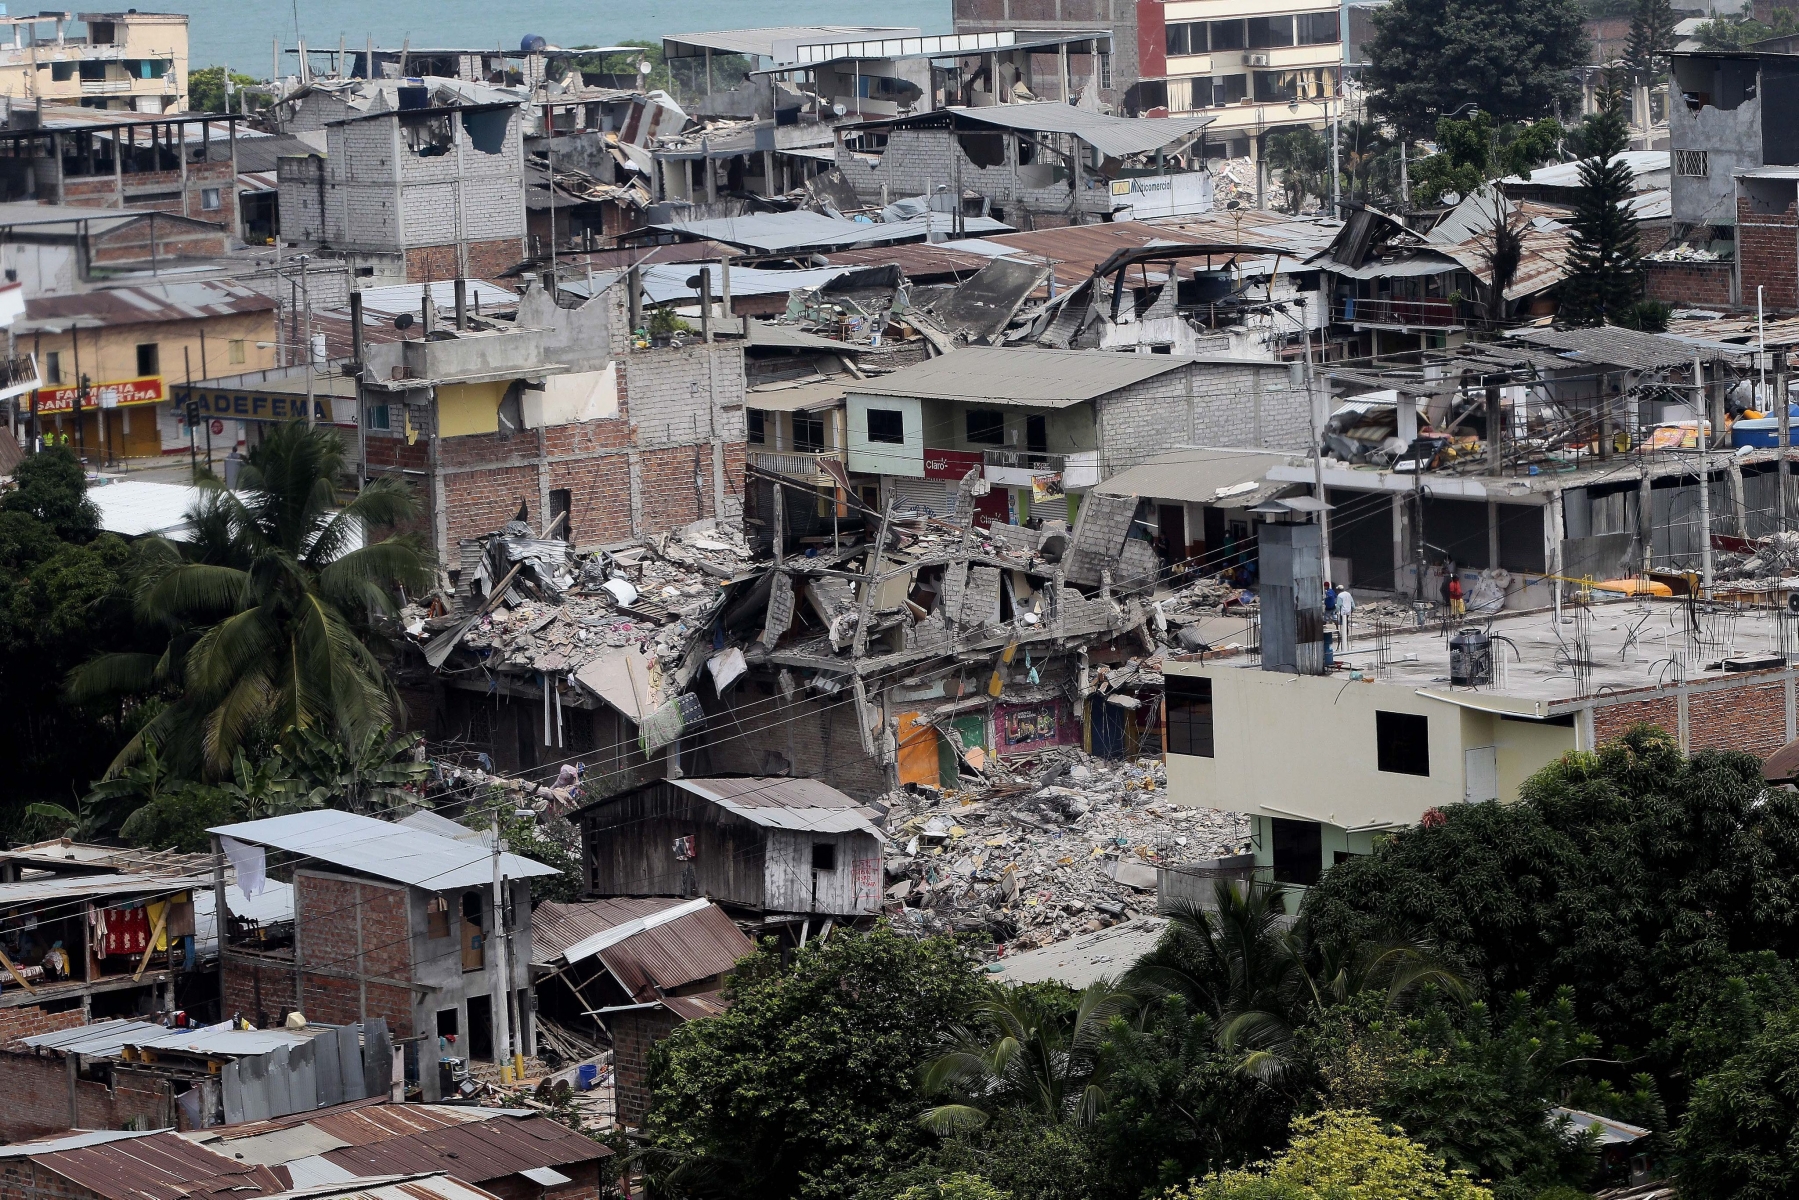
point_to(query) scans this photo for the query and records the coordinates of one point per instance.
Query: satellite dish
(838, 108)
(403, 322)
(1233, 205)
(1793, 602)
(643, 68)
(1451, 199)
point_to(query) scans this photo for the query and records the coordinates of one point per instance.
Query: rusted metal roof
(474, 1152)
(556, 927)
(693, 1008)
(163, 1166)
(418, 1187)
(366, 1125)
(148, 304)
(694, 945)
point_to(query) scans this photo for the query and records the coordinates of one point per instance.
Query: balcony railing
(18, 375)
(1023, 460)
(1431, 313)
(798, 464)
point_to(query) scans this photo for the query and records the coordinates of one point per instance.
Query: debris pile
(1072, 848)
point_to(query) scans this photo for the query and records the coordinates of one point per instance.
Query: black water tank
(1470, 659)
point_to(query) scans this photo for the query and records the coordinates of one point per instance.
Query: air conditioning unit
(1255, 60)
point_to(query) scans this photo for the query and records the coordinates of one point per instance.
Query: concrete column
(1399, 542)
(1738, 505)
(1680, 701)
(1552, 546)
(1645, 526)
(1492, 533)
(1792, 709)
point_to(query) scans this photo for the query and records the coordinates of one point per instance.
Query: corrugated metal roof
(762, 42)
(1114, 136)
(807, 805)
(148, 303)
(1613, 345)
(281, 1146)
(324, 1180)
(61, 854)
(106, 1038)
(474, 1152)
(1027, 376)
(694, 1008)
(1195, 475)
(71, 887)
(73, 1141)
(366, 1124)
(781, 233)
(163, 1166)
(1642, 164)
(382, 849)
(922, 260)
(798, 397)
(650, 946)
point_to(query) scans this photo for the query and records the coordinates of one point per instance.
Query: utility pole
(1705, 477)
(306, 318)
(497, 958)
(1312, 406)
(1784, 424)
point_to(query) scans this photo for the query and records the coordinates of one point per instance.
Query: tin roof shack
(509, 1156)
(1049, 424)
(603, 953)
(112, 1074)
(108, 941)
(635, 1029)
(392, 922)
(60, 248)
(768, 846)
(129, 1166)
(1047, 161)
(429, 190)
(110, 358)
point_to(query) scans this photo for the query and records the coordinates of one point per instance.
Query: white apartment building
(1258, 65)
(135, 61)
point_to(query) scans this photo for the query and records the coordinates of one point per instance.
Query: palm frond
(948, 1119)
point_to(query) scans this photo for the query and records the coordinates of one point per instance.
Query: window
(1036, 434)
(100, 33)
(209, 199)
(1692, 163)
(1402, 743)
(234, 350)
(93, 72)
(148, 360)
(1189, 719)
(1298, 852)
(986, 426)
(1316, 29)
(562, 514)
(437, 917)
(378, 417)
(887, 425)
(808, 432)
(1229, 89)
(53, 367)
(824, 856)
(62, 72)
(1180, 39)
(752, 420)
(1270, 31)
(511, 417)
(1225, 35)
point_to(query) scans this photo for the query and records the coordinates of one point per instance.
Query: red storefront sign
(116, 394)
(949, 464)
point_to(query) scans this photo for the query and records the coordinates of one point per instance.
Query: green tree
(1651, 34)
(1303, 158)
(1027, 1047)
(51, 487)
(1513, 58)
(959, 1185)
(271, 618)
(1740, 1137)
(1737, 31)
(807, 1086)
(206, 90)
(1342, 1155)
(1605, 275)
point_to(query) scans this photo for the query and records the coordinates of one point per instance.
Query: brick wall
(488, 259)
(259, 991)
(17, 1023)
(1206, 404)
(22, 1179)
(163, 191)
(584, 1184)
(1687, 283)
(1768, 254)
(633, 1033)
(354, 927)
(1611, 720)
(1749, 715)
(37, 1091)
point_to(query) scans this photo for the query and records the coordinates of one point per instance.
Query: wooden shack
(767, 845)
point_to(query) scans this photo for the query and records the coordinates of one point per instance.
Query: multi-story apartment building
(1259, 65)
(121, 60)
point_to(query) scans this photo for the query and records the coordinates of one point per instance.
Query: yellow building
(1257, 66)
(120, 60)
(134, 347)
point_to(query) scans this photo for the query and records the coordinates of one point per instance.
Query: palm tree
(269, 618)
(1260, 976)
(1023, 1050)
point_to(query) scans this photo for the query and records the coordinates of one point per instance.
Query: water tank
(1470, 659)
(532, 43)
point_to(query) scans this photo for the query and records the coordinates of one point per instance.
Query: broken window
(1189, 721)
(512, 416)
(437, 917)
(886, 425)
(429, 137)
(824, 856)
(487, 129)
(1298, 852)
(1402, 743)
(148, 360)
(983, 149)
(986, 426)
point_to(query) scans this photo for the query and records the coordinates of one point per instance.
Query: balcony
(795, 464)
(1014, 468)
(18, 376)
(1398, 314)
(106, 87)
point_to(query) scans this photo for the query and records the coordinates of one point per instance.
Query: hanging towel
(127, 931)
(250, 864)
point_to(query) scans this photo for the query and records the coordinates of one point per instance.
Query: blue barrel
(585, 1074)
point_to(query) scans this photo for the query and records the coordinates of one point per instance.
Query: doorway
(1171, 523)
(480, 1027)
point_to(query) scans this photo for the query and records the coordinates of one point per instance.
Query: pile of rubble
(1072, 848)
(1773, 557)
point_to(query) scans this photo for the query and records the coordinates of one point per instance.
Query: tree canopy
(1513, 58)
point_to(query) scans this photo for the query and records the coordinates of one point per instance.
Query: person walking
(1457, 607)
(1345, 610)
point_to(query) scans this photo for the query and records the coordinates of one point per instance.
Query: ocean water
(241, 32)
